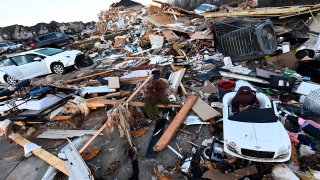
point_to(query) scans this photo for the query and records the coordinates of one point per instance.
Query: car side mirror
(37, 59)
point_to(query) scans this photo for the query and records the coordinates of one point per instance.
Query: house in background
(19, 32)
(5, 35)
(57, 27)
(90, 25)
(41, 28)
(75, 27)
(127, 5)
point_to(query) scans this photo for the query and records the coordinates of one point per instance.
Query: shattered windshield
(252, 115)
(49, 51)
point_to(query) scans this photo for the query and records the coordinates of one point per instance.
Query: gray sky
(30, 12)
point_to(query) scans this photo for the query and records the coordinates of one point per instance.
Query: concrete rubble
(230, 94)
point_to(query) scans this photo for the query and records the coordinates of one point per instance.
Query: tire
(10, 80)
(58, 68)
(9, 51)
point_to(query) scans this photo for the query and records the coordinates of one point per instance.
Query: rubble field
(232, 93)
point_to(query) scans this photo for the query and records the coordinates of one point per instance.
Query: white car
(9, 47)
(204, 8)
(255, 134)
(36, 63)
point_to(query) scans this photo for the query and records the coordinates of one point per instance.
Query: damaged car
(252, 129)
(39, 62)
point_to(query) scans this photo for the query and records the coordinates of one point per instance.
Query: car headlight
(232, 147)
(284, 152)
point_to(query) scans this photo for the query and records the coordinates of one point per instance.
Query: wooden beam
(101, 102)
(184, 92)
(261, 11)
(62, 118)
(175, 124)
(88, 76)
(42, 154)
(133, 80)
(138, 89)
(93, 138)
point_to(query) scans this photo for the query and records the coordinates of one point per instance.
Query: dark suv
(54, 39)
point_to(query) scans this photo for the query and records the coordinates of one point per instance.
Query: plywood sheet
(204, 111)
(170, 35)
(160, 19)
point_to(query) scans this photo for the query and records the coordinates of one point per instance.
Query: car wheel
(58, 68)
(10, 51)
(11, 80)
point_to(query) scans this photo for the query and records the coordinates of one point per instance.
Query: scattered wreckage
(172, 94)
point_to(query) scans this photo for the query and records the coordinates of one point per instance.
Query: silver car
(9, 47)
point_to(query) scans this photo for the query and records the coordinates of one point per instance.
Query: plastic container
(224, 87)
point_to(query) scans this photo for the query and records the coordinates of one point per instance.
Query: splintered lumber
(97, 102)
(204, 111)
(175, 124)
(170, 35)
(105, 124)
(42, 154)
(139, 88)
(133, 80)
(88, 76)
(276, 11)
(113, 82)
(62, 118)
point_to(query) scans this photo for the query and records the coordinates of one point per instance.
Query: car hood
(256, 136)
(69, 53)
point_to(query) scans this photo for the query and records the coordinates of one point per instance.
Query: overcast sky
(30, 12)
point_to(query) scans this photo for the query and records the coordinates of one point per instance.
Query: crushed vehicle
(252, 129)
(38, 62)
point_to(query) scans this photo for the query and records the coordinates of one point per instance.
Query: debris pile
(231, 94)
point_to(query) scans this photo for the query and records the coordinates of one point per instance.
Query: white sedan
(36, 63)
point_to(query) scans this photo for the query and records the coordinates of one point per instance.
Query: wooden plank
(184, 92)
(139, 88)
(204, 111)
(175, 124)
(113, 82)
(88, 76)
(261, 11)
(133, 80)
(62, 118)
(160, 19)
(93, 138)
(170, 35)
(43, 154)
(101, 102)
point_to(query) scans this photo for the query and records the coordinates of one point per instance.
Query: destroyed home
(161, 92)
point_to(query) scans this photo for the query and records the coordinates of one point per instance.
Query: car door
(30, 67)
(52, 40)
(12, 46)
(11, 69)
